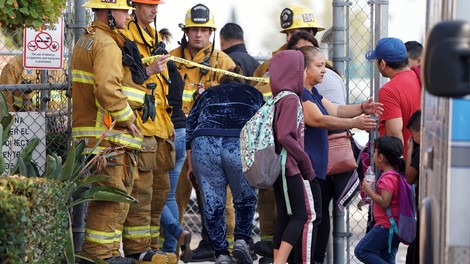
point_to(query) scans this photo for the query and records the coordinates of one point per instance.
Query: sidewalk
(399, 260)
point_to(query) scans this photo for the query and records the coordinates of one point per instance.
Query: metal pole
(78, 211)
(339, 61)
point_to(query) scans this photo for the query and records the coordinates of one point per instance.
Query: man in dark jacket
(232, 43)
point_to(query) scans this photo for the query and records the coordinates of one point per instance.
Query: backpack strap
(393, 229)
(284, 180)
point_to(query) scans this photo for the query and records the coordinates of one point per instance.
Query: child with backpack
(287, 74)
(380, 245)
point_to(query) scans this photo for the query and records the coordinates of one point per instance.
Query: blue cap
(388, 49)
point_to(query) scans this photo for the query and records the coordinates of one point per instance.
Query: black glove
(149, 110)
(131, 58)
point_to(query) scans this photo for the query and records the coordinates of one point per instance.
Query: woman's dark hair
(301, 35)
(230, 79)
(392, 149)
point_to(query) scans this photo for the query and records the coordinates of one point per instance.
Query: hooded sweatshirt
(287, 74)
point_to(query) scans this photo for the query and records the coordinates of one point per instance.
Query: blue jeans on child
(169, 218)
(373, 247)
(216, 162)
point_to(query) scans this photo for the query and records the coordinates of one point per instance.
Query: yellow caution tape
(194, 64)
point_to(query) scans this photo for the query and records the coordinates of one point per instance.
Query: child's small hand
(367, 186)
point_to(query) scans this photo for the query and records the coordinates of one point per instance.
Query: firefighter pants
(105, 220)
(267, 213)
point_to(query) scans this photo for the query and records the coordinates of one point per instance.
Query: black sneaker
(266, 260)
(264, 248)
(241, 252)
(120, 260)
(203, 252)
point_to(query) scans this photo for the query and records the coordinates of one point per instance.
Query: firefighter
(142, 226)
(14, 73)
(292, 19)
(198, 27)
(101, 87)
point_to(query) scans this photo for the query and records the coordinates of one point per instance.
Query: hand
(158, 65)
(364, 122)
(371, 107)
(134, 130)
(367, 187)
(409, 149)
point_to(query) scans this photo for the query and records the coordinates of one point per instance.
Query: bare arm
(394, 127)
(411, 173)
(314, 117)
(383, 199)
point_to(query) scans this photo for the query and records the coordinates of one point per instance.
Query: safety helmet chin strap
(111, 20)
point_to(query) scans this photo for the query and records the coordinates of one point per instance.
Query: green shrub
(31, 14)
(14, 214)
(47, 226)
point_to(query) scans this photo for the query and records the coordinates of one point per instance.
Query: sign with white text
(44, 49)
(27, 125)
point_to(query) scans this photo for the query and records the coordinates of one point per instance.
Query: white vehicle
(445, 150)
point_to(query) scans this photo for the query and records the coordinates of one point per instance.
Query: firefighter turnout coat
(196, 81)
(98, 89)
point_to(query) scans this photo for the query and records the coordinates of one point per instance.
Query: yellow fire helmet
(109, 4)
(148, 2)
(199, 16)
(298, 16)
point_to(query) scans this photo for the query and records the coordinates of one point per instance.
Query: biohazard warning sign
(44, 49)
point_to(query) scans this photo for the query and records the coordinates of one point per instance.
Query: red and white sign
(44, 49)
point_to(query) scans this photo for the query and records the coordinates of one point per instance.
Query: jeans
(373, 247)
(216, 162)
(169, 218)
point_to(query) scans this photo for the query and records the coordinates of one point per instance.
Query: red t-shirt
(389, 182)
(401, 97)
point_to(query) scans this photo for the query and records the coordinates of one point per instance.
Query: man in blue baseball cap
(401, 96)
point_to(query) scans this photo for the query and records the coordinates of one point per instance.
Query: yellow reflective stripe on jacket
(267, 96)
(123, 115)
(18, 101)
(154, 231)
(93, 151)
(133, 94)
(136, 232)
(117, 237)
(188, 95)
(117, 137)
(82, 77)
(99, 237)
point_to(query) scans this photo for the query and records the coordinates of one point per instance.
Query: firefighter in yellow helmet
(107, 83)
(292, 19)
(142, 226)
(195, 46)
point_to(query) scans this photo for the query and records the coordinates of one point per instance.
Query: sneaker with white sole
(223, 259)
(241, 252)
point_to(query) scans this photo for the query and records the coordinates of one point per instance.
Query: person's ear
(419, 60)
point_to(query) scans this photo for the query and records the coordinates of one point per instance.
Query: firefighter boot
(172, 258)
(150, 257)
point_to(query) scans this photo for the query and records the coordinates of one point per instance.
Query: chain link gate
(38, 98)
(356, 26)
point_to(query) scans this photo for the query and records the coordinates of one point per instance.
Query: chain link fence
(41, 98)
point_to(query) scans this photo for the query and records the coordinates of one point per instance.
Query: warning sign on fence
(27, 125)
(44, 49)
